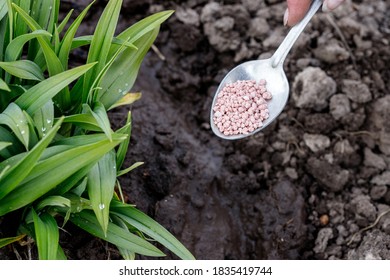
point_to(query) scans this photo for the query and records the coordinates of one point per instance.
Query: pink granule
(241, 107)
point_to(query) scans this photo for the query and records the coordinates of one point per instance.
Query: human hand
(296, 9)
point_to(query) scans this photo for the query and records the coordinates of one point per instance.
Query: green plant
(59, 156)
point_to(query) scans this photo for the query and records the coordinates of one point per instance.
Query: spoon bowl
(270, 70)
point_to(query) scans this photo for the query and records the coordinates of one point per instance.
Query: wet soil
(304, 188)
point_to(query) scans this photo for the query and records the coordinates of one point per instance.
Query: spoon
(270, 70)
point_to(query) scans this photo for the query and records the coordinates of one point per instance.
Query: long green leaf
(123, 72)
(123, 147)
(6, 241)
(5, 37)
(4, 86)
(40, 94)
(126, 254)
(16, 148)
(32, 131)
(4, 145)
(101, 117)
(3, 9)
(142, 27)
(85, 121)
(53, 10)
(85, 40)
(100, 185)
(53, 201)
(66, 44)
(20, 27)
(115, 235)
(14, 49)
(24, 69)
(21, 170)
(150, 227)
(129, 169)
(49, 173)
(44, 118)
(14, 118)
(46, 235)
(52, 61)
(101, 43)
(64, 22)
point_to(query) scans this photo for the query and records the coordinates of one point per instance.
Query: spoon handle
(285, 47)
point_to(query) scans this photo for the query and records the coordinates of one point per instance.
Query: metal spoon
(269, 69)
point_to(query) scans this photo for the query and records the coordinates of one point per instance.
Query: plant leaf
(3, 85)
(101, 43)
(62, 25)
(85, 40)
(46, 235)
(49, 173)
(115, 235)
(53, 63)
(3, 9)
(6, 241)
(53, 201)
(4, 145)
(23, 168)
(100, 185)
(150, 227)
(66, 44)
(127, 99)
(142, 27)
(122, 149)
(101, 117)
(16, 148)
(24, 69)
(85, 121)
(14, 49)
(14, 118)
(44, 118)
(131, 168)
(126, 254)
(123, 72)
(20, 27)
(40, 94)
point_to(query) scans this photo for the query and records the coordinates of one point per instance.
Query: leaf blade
(48, 174)
(101, 43)
(100, 186)
(38, 95)
(46, 235)
(22, 169)
(24, 69)
(115, 235)
(150, 227)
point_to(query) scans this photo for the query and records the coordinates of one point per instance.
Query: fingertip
(330, 5)
(297, 10)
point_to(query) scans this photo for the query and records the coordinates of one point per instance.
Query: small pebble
(324, 220)
(241, 107)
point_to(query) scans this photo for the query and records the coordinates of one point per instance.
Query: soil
(309, 185)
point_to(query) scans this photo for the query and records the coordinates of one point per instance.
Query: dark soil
(304, 188)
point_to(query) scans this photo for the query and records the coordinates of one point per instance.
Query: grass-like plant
(59, 156)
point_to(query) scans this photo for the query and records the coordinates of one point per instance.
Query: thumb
(296, 10)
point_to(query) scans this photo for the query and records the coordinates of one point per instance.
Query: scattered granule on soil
(241, 107)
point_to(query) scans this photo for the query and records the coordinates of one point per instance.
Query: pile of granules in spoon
(241, 107)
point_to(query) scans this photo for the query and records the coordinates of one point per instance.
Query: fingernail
(285, 18)
(330, 5)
